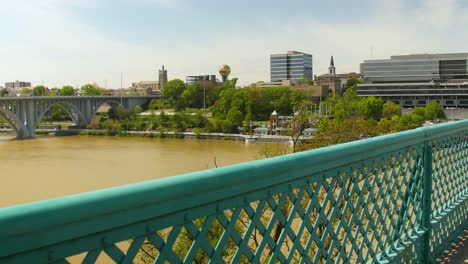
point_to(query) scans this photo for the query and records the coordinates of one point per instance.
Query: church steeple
(332, 69)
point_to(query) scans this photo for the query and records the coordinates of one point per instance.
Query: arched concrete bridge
(23, 113)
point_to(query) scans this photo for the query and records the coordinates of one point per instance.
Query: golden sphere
(224, 70)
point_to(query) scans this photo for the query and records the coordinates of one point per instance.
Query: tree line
(348, 117)
(353, 117)
(67, 90)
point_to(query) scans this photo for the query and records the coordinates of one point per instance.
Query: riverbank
(192, 135)
(159, 134)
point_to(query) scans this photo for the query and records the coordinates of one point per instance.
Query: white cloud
(440, 15)
(48, 45)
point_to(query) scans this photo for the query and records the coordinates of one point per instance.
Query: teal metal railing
(400, 198)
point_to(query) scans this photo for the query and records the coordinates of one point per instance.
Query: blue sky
(83, 41)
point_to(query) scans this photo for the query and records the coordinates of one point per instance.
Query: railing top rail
(128, 204)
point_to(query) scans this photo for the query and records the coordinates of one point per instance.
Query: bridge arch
(12, 121)
(69, 108)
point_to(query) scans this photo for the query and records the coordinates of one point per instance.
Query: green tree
(333, 132)
(157, 104)
(3, 92)
(95, 123)
(303, 118)
(137, 110)
(39, 91)
(120, 113)
(54, 91)
(139, 124)
(353, 81)
(371, 107)
(347, 107)
(57, 113)
(227, 126)
(230, 84)
(235, 117)
(91, 90)
(410, 121)
(26, 91)
(67, 90)
(112, 127)
(434, 111)
(173, 90)
(388, 125)
(420, 111)
(391, 109)
(306, 81)
(192, 96)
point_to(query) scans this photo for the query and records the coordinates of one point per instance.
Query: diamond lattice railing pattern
(400, 198)
(450, 190)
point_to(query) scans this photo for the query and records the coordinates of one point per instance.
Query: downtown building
(292, 66)
(151, 87)
(194, 79)
(17, 85)
(415, 80)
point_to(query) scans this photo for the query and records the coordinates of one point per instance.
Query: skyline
(84, 41)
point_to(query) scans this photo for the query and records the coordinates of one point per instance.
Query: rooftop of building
(340, 75)
(327, 75)
(348, 75)
(426, 56)
(147, 82)
(291, 52)
(448, 83)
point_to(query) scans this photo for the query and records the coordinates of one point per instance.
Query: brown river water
(50, 167)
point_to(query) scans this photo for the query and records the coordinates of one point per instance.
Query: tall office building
(416, 68)
(291, 66)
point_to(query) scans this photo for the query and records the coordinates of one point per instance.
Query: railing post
(427, 199)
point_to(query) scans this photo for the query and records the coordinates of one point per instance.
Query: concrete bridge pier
(26, 126)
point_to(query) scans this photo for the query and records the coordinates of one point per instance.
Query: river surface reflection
(49, 167)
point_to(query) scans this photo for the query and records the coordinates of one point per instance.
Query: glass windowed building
(410, 95)
(415, 80)
(416, 68)
(291, 66)
(194, 79)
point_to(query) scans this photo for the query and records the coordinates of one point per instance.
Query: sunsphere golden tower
(224, 70)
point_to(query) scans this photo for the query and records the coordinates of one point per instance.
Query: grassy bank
(157, 135)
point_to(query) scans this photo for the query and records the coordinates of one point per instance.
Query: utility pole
(121, 88)
(204, 98)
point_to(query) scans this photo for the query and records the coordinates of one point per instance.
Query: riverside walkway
(400, 198)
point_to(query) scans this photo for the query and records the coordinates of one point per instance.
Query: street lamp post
(121, 88)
